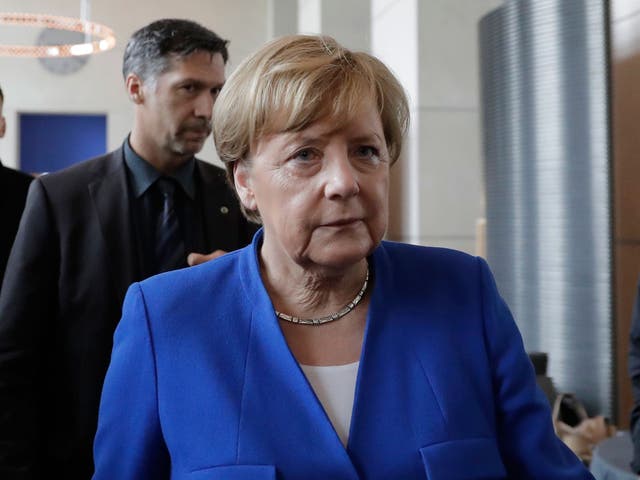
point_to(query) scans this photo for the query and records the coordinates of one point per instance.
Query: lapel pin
(224, 210)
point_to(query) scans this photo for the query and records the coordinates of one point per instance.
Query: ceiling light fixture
(98, 38)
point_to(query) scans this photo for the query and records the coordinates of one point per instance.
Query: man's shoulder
(82, 173)
(68, 188)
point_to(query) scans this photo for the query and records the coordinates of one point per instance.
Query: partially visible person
(14, 185)
(91, 230)
(634, 374)
(321, 351)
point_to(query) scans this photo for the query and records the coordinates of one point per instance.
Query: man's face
(177, 107)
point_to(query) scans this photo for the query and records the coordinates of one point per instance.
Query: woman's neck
(310, 292)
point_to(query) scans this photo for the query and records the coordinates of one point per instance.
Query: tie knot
(166, 186)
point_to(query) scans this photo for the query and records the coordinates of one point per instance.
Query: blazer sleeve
(129, 443)
(529, 446)
(28, 309)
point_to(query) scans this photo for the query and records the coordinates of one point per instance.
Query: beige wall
(432, 45)
(625, 64)
(450, 140)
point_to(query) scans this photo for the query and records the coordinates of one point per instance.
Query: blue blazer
(202, 384)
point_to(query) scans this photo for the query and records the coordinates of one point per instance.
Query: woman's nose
(342, 178)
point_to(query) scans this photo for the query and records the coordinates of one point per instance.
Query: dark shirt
(146, 205)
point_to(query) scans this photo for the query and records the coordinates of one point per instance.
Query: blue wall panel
(51, 142)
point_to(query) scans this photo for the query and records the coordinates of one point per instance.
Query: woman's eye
(304, 155)
(367, 152)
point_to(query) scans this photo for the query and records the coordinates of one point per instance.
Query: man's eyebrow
(198, 82)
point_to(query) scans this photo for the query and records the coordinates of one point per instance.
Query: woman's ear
(242, 181)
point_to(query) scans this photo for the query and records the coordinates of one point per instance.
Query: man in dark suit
(13, 192)
(94, 228)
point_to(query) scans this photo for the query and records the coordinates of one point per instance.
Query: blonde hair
(296, 80)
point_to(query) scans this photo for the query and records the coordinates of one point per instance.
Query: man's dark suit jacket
(13, 193)
(74, 259)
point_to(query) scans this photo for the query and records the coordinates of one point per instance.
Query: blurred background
(522, 147)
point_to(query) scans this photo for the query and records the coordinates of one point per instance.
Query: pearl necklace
(329, 318)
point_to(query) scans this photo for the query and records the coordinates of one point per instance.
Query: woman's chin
(338, 257)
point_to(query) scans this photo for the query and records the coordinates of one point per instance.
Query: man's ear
(242, 181)
(134, 88)
(3, 126)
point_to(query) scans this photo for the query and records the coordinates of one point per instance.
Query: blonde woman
(321, 351)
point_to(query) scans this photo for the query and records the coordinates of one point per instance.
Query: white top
(335, 387)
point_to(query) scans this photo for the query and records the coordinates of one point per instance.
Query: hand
(198, 258)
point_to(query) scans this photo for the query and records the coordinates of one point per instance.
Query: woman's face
(322, 192)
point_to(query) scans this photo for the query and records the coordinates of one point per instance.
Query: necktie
(169, 249)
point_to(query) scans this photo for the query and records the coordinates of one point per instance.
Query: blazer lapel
(396, 410)
(110, 197)
(293, 431)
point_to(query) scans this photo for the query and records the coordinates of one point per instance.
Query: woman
(320, 351)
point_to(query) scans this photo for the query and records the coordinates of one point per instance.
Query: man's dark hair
(151, 49)
(1, 94)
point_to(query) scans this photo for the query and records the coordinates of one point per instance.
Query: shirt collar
(144, 174)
